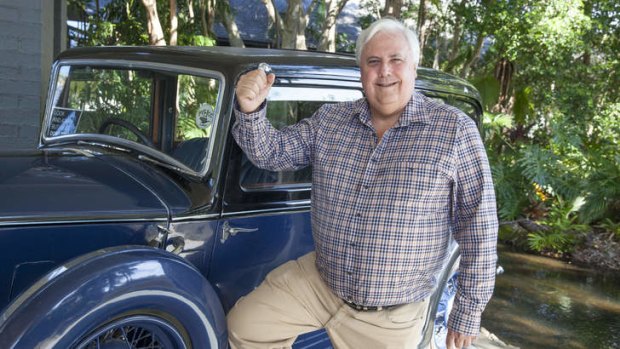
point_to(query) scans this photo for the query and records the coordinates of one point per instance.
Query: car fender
(68, 303)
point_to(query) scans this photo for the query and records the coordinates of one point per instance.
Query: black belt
(369, 307)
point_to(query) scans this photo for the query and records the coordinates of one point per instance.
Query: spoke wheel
(135, 332)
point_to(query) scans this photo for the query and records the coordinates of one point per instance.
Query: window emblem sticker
(204, 116)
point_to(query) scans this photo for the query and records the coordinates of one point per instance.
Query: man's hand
(455, 340)
(252, 89)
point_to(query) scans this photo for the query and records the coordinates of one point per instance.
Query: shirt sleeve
(268, 148)
(475, 230)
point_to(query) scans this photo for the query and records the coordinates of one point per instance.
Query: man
(394, 175)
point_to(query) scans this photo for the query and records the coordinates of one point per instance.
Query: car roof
(232, 60)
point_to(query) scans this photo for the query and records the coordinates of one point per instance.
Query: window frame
(305, 185)
(165, 99)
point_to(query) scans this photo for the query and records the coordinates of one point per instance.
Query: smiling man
(395, 175)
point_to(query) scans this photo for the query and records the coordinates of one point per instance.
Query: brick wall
(20, 73)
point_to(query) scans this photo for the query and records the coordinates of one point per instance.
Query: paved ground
(488, 340)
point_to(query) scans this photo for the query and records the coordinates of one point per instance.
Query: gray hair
(388, 24)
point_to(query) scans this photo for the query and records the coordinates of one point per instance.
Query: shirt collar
(415, 111)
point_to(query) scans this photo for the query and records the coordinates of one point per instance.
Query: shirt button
(358, 215)
(366, 186)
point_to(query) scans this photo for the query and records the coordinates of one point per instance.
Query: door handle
(228, 231)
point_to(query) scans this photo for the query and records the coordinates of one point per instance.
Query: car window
(99, 100)
(286, 106)
(197, 98)
(195, 116)
(169, 111)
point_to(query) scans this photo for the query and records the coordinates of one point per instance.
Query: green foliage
(194, 93)
(550, 242)
(562, 235)
(120, 22)
(488, 86)
(611, 226)
(198, 40)
(563, 215)
(344, 43)
(524, 110)
(123, 22)
(512, 189)
(104, 93)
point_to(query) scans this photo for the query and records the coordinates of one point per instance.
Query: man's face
(388, 74)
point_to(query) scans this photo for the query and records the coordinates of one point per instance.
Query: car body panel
(77, 179)
(117, 280)
(269, 241)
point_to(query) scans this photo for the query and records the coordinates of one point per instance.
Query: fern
(537, 164)
(551, 241)
(603, 196)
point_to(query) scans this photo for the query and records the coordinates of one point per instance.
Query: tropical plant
(547, 72)
(564, 228)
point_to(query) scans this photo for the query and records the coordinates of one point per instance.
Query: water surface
(543, 303)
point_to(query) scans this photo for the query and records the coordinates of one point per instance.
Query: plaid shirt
(382, 212)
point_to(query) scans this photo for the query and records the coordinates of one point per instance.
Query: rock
(487, 340)
(514, 234)
(598, 251)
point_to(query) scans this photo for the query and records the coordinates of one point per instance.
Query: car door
(266, 214)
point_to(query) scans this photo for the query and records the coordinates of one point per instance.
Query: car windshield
(172, 113)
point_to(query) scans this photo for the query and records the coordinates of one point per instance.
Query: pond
(544, 303)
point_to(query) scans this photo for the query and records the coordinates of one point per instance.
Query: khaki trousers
(294, 300)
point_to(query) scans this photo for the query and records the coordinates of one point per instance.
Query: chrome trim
(229, 231)
(14, 223)
(270, 211)
(197, 217)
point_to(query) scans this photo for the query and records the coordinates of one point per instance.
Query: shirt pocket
(420, 189)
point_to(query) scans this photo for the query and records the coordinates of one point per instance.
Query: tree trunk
(327, 42)
(392, 8)
(190, 8)
(422, 27)
(504, 70)
(587, 54)
(211, 10)
(456, 37)
(294, 29)
(275, 22)
(234, 36)
(207, 17)
(202, 4)
(474, 57)
(156, 33)
(436, 58)
(174, 23)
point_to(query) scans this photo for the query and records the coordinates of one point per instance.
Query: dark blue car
(138, 222)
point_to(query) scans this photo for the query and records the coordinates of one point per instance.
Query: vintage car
(138, 222)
